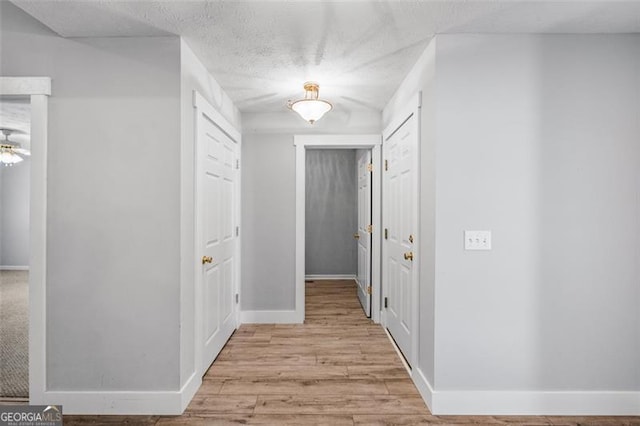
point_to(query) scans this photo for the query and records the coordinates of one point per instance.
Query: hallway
(335, 366)
(336, 369)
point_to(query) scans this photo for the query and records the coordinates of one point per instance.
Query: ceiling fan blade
(23, 151)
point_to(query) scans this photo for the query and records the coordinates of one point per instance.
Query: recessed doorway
(15, 189)
(344, 245)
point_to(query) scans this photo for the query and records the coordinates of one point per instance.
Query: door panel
(400, 221)
(215, 226)
(363, 278)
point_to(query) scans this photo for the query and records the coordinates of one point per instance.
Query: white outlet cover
(477, 240)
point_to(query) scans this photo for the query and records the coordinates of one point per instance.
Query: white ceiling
(359, 51)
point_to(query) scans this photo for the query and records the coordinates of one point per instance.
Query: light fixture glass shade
(311, 108)
(9, 158)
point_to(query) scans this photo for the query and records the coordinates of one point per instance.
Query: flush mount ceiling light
(10, 152)
(310, 108)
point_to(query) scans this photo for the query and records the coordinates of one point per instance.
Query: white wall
(538, 141)
(268, 201)
(193, 76)
(113, 217)
(14, 215)
(535, 138)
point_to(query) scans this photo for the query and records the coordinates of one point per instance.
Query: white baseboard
(535, 403)
(14, 268)
(330, 277)
(122, 403)
(189, 390)
(271, 317)
(423, 386)
(532, 403)
(125, 403)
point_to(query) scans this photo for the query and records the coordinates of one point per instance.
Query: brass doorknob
(356, 236)
(408, 256)
(207, 259)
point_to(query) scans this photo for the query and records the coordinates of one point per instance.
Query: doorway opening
(334, 240)
(15, 171)
(327, 203)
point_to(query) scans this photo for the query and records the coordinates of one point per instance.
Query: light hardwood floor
(338, 368)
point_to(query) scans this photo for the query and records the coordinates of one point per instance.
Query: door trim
(373, 142)
(202, 106)
(412, 107)
(39, 90)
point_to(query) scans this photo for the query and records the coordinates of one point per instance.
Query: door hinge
(368, 289)
(237, 298)
(386, 302)
(370, 229)
(237, 164)
(237, 231)
(386, 233)
(370, 167)
(386, 165)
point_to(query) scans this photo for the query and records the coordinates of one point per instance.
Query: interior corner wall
(14, 215)
(268, 200)
(113, 216)
(331, 212)
(193, 77)
(537, 141)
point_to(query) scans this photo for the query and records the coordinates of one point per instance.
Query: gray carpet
(14, 332)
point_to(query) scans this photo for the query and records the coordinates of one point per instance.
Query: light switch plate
(477, 240)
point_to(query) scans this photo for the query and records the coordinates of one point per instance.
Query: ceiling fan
(11, 152)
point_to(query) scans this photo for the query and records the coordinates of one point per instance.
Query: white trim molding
(304, 142)
(330, 277)
(14, 268)
(126, 402)
(270, 317)
(526, 403)
(25, 86)
(39, 90)
(536, 403)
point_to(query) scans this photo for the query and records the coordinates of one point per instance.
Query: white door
(400, 226)
(217, 172)
(363, 236)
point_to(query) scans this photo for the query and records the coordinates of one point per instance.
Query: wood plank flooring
(338, 368)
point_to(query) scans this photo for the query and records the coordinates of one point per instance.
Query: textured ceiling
(359, 51)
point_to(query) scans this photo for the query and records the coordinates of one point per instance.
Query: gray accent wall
(331, 209)
(14, 214)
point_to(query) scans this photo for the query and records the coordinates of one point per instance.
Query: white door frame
(412, 107)
(39, 90)
(202, 106)
(302, 143)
